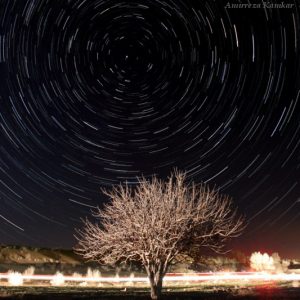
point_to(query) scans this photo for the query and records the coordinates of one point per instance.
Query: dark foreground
(141, 294)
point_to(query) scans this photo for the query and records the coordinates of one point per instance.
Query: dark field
(60, 293)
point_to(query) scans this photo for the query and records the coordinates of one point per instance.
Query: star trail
(94, 93)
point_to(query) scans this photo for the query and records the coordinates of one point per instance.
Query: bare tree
(155, 221)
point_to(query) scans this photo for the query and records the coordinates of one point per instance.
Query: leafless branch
(157, 220)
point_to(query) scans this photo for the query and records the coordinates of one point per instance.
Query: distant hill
(44, 259)
(30, 255)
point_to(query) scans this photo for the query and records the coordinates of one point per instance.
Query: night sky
(97, 92)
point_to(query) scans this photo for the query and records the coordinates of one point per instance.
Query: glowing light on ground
(15, 278)
(59, 279)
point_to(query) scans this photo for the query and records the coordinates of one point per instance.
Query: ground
(266, 291)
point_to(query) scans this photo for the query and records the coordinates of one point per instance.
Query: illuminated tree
(261, 262)
(265, 262)
(155, 221)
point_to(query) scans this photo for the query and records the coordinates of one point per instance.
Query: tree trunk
(156, 281)
(156, 287)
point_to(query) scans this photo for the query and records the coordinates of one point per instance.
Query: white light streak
(171, 277)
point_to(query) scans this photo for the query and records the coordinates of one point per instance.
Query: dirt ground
(267, 292)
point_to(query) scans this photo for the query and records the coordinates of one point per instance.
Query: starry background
(94, 92)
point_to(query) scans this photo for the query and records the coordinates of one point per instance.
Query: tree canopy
(155, 221)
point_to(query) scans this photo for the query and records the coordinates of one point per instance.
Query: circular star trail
(94, 93)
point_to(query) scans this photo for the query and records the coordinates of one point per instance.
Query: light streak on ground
(171, 277)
